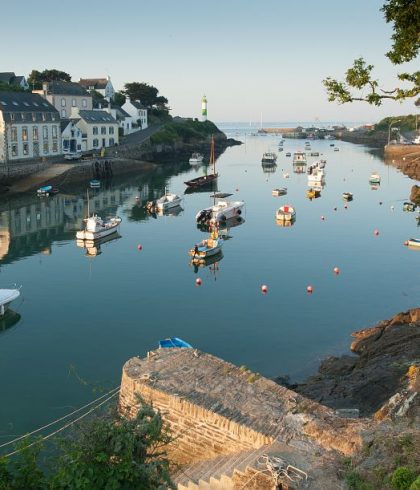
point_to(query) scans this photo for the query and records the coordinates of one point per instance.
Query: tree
(108, 452)
(119, 98)
(405, 15)
(147, 94)
(10, 88)
(36, 78)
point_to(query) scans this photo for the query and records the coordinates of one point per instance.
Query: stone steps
(215, 474)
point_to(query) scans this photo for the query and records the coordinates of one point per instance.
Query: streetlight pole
(389, 128)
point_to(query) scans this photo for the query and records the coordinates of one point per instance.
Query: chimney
(45, 87)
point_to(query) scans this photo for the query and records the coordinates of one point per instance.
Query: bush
(402, 478)
(416, 484)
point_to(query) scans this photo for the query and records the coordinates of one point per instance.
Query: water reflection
(93, 247)
(269, 168)
(211, 263)
(8, 320)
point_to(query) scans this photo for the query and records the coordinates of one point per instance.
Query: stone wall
(16, 171)
(200, 434)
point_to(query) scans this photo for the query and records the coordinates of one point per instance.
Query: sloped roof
(96, 117)
(65, 88)
(96, 83)
(137, 104)
(6, 76)
(24, 102)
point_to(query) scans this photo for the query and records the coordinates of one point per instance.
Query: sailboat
(205, 179)
(96, 227)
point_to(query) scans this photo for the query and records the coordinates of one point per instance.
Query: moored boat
(196, 158)
(174, 342)
(221, 211)
(375, 178)
(409, 206)
(347, 196)
(94, 184)
(299, 158)
(286, 213)
(167, 201)
(205, 180)
(280, 191)
(96, 227)
(288, 154)
(312, 193)
(6, 297)
(208, 247)
(413, 242)
(269, 158)
(47, 190)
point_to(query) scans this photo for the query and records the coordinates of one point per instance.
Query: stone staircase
(216, 474)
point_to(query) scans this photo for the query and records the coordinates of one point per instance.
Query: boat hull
(6, 297)
(201, 181)
(168, 205)
(96, 235)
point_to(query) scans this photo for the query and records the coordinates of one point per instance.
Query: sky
(253, 59)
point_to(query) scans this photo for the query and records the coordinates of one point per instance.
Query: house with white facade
(124, 119)
(29, 127)
(71, 136)
(10, 78)
(138, 112)
(65, 96)
(99, 129)
(102, 85)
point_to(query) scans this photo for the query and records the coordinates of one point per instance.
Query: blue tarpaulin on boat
(173, 342)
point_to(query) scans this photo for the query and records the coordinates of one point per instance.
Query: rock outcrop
(378, 371)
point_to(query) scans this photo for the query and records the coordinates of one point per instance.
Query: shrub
(402, 478)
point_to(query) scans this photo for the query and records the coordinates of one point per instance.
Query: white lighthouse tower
(204, 108)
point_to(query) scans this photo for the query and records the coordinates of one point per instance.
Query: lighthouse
(204, 108)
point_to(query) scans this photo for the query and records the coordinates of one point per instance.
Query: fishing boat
(347, 196)
(6, 297)
(336, 149)
(288, 154)
(46, 191)
(299, 158)
(413, 242)
(316, 175)
(312, 193)
(375, 178)
(205, 179)
(269, 158)
(315, 154)
(164, 203)
(173, 342)
(281, 191)
(95, 227)
(94, 184)
(286, 213)
(221, 210)
(409, 206)
(208, 247)
(196, 158)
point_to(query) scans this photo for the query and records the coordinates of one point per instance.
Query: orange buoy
(139, 247)
(336, 270)
(309, 289)
(198, 281)
(376, 232)
(264, 289)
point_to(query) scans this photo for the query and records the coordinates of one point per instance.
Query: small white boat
(288, 154)
(221, 211)
(281, 191)
(96, 228)
(269, 158)
(94, 184)
(299, 158)
(6, 297)
(286, 175)
(336, 149)
(46, 191)
(413, 242)
(286, 213)
(316, 175)
(196, 158)
(167, 201)
(207, 248)
(347, 196)
(409, 206)
(375, 178)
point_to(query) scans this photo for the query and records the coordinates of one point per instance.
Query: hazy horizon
(247, 58)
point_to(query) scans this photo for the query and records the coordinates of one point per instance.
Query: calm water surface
(80, 318)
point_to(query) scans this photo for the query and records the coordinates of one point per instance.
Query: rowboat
(205, 179)
(94, 184)
(413, 242)
(286, 213)
(208, 247)
(46, 191)
(173, 342)
(6, 297)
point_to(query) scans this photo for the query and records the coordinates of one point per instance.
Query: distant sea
(253, 126)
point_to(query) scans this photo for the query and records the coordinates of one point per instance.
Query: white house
(101, 85)
(10, 78)
(118, 113)
(71, 136)
(99, 129)
(29, 127)
(137, 111)
(65, 96)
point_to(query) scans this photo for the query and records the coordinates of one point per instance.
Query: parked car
(72, 156)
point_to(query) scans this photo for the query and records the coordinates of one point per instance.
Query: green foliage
(405, 16)
(355, 482)
(186, 131)
(406, 123)
(109, 452)
(402, 478)
(96, 96)
(36, 78)
(416, 484)
(10, 88)
(146, 94)
(119, 99)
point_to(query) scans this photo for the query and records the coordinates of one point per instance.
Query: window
(25, 133)
(44, 116)
(45, 132)
(111, 130)
(95, 130)
(55, 146)
(23, 116)
(63, 113)
(34, 116)
(45, 147)
(66, 144)
(25, 148)
(73, 103)
(54, 131)
(36, 149)
(95, 143)
(13, 134)
(35, 133)
(111, 141)
(84, 103)
(63, 102)
(14, 150)
(53, 117)
(103, 130)
(12, 116)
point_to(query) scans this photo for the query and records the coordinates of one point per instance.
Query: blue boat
(173, 342)
(95, 184)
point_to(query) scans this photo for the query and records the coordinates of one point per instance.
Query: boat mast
(88, 211)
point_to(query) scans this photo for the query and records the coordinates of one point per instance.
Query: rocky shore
(377, 370)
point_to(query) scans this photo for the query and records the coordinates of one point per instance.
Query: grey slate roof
(137, 104)
(65, 88)
(6, 76)
(96, 117)
(96, 83)
(21, 103)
